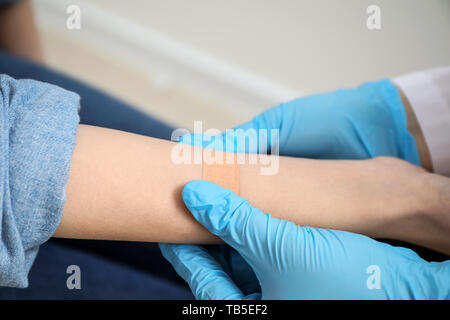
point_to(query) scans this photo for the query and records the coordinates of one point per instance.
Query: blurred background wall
(224, 61)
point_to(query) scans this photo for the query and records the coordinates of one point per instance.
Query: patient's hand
(424, 197)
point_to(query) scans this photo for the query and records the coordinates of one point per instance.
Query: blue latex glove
(293, 262)
(358, 123)
(355, 123)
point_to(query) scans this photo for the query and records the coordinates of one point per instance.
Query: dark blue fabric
(97, 108)
(3, 2)
(110, 269)
(101, 278)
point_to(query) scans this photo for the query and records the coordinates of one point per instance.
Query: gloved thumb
(230, 217)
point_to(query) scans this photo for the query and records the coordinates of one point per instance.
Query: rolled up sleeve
(38, 124)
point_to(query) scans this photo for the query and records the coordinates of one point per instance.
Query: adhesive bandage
(221, 168)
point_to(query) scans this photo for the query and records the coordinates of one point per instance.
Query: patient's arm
(124, 186)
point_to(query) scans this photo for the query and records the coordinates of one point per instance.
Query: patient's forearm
(126, 187)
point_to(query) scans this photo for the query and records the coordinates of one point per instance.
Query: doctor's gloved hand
(294, 262)
(358, 123)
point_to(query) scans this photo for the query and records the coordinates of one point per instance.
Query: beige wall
(308, 45)
(303, 46)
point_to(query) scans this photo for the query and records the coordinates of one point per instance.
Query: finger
(205, 276)
(234, 141)
(259, 135)
(245, 228)
(203, 140)
(270, 119)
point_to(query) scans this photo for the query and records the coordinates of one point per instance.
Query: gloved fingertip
(210, 204)
(193, 139)
(197, 193)
(185, 139)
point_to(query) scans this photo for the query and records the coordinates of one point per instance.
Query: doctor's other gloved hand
(358, 123)
(294, 262)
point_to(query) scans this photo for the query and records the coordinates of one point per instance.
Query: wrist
(436, 210)
(427, 219)
(414, 208)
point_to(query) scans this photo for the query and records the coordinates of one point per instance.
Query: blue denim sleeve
(38, 123)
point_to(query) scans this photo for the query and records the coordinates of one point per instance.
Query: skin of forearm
(124, 186)
(381, 198)
(18, 32)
